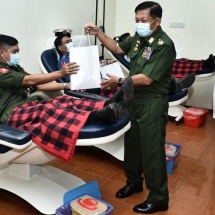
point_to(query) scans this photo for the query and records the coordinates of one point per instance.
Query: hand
(69, 68)
(110, 62)
(111, 83)
(91, 29)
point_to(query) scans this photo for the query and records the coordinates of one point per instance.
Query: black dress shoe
(124, 95)
(108, 113)
(185, 82)
(148, 208)
(128, 190)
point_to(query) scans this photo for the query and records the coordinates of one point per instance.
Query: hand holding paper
(113, 69)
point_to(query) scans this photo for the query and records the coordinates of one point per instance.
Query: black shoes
(185, 82)
(209, 63)
(143, 208)
(111, 113)
(148, 208)
(124, 95)
(128, 190)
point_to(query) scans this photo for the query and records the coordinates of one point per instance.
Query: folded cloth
(182, 67)
(55, 123)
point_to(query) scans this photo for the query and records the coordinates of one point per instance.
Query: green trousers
(145, 147)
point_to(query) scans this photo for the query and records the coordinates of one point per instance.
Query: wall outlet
(176, 25)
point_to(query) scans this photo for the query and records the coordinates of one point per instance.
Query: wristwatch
(119, 82)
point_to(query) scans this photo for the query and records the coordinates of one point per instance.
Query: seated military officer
(65, 115)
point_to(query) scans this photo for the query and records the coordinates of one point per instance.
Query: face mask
(14, 59)
(69, 45)
(143, 29)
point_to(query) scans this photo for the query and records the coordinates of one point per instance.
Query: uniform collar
(154, 37)
(5, 65)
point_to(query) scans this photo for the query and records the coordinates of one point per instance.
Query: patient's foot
(185, 82)
(110, 113)
(124, 95)
(209, 63)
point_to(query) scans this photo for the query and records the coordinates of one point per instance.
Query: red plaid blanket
(182, 67)
(108, 93)
(54, 124)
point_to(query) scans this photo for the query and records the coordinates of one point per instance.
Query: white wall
(195, 41)
(33, 21)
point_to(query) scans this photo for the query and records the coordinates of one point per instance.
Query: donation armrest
(13, 138)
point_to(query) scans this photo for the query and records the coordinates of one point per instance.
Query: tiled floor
(191, 186)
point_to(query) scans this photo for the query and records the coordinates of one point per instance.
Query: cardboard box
(195, 117)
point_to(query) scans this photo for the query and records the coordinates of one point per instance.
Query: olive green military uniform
(145, 141)
(12, 94)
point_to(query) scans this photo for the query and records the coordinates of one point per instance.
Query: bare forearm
(37, 79)
(52, 86)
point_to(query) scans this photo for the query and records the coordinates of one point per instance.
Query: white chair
(22, 169)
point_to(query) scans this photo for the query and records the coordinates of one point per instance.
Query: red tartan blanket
(54, 124)
(108, 93)
(182, 67)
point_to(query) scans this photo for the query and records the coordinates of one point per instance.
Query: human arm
(108, 42)
(138, 80)
(53, 86)
(40, 79)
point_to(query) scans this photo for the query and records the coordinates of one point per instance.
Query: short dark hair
(58, 42)
(155, 8)
(7, 41)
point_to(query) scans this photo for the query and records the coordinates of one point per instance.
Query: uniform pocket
(141, 61)
(132, 54)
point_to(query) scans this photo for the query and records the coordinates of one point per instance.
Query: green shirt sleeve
(12, 79)
(12, 93)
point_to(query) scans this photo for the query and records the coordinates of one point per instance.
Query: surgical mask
(69, 45)
(14, 59)
(143, 29)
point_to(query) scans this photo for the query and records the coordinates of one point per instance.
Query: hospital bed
(48, 63)
(23, 164)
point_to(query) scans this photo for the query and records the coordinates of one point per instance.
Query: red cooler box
(195, 117)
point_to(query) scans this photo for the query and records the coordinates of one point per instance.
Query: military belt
(149, 95)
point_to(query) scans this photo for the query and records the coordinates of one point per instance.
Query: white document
(113, 69)
(88, 76)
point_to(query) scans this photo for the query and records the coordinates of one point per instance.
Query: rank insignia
(147, 53)
(160, 42)
(137, 45)
(4, 71)
(151, 40)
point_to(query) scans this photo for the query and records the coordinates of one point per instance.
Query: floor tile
(191, 185)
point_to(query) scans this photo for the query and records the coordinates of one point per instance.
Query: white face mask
(14, 59)
(143, 29)
(69, 45)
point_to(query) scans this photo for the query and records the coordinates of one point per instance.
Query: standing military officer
(152, 54)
